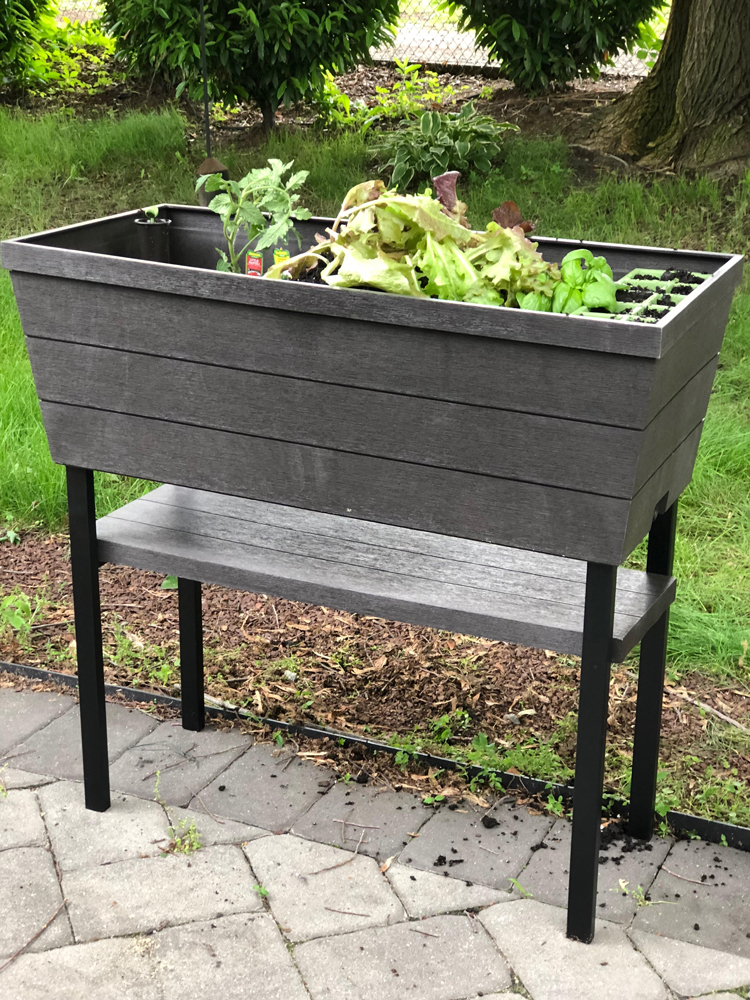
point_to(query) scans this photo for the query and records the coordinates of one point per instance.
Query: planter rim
(29, 253)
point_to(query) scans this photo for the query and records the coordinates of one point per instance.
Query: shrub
(265, 51)
(437, 142)
(19, 25)
(541, 42)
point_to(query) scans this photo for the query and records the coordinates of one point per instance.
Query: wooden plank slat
(363, 553)
(583, 385)
(525, 515)
(365, 578)
(474, 320)
(389, 536)
(320, 303)
(592, 458)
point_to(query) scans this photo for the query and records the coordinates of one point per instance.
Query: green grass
(58, 169)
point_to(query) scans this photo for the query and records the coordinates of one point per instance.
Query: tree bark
(693, 110)
(269, 115)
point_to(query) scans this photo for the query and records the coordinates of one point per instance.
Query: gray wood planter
(552, 433)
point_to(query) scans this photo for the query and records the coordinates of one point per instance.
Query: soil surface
(361, 675)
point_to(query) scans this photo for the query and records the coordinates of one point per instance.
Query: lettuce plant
(423, 247)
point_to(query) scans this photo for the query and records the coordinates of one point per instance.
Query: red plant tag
(254, 265)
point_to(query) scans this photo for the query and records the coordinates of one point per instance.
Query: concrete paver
(314, 889)
(182, 762)
(11, 777)
(81, 837)
(489, 849)
(711, 908)
(546, 875)
(267, 788)
(531, 935)
(235, 958)
(29, 896)
(442, 958)
(689, 969)
(721, 996)
(359, 934)
(23, 713)
(425, 894)
(214, 830)
(21, 823)
(118, 969)
(135, 896)
(56, 749)
(383, 818)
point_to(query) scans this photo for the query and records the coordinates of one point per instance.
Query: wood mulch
(562, 112)
(361, 675)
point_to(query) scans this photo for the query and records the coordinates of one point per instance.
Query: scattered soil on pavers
(363, 675)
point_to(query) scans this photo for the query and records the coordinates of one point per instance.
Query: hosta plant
(437, 142)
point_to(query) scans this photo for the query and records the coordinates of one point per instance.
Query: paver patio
(286, 899)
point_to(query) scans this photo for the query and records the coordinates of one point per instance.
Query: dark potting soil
(653, 313)
(665, 300)
(313, 275)
(633, 295)
(683, 289)
(685, 276)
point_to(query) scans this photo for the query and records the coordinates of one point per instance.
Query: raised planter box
(553, 433)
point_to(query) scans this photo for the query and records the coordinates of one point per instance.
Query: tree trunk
(269, 115)
(693, 110)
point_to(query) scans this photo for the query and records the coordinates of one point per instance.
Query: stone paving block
(29, 896)
(235, 958)
(457, 841)
(11, 777)
(425, 894)
(531, 935)
(546, 875)
(135, 896)
(215, 831)
(721, 996)
(21, 823)
(395, 814)
(130, 828)
(713, 909)
(187, 762)
(267, 787)
(23, 713)
(56, 749)
(336, 901)
(689, 969)
(102, 970)
(443, 958)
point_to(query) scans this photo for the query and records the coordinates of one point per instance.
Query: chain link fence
(425, 35)
(429, 36)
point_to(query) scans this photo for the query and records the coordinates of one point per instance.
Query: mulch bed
(561, 112)
(361, 675)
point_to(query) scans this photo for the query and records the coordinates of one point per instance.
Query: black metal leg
(84, 560)
(191, 654)
(593, 705)
(653, 661)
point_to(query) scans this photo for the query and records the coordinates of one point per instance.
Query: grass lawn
(58, 169)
